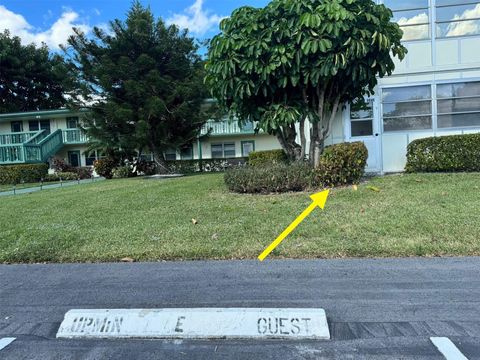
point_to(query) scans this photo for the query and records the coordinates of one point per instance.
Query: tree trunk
(161, 166)
(286, 137)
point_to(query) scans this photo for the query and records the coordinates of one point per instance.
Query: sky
(51, 21)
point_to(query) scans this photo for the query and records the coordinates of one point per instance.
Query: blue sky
(50, 21)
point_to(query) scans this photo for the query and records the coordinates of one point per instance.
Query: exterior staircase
(35, 147)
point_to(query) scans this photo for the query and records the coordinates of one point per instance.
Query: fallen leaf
(127, 259)
(419, 180)
(194, 222)
(362, 210)
(373, 188)
(354, 187)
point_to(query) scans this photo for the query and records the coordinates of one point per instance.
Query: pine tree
(143, 81)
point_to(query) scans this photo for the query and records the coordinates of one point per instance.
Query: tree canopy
(143, 81)
(31, 78)
(301, 59)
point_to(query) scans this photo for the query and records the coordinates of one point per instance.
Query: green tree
(31, 78)
(301, 59)
(143, 82)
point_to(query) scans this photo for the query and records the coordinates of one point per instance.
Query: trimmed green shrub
(16, 174)
(83, 172)
(342, 164)
(204, 165)
(67, 176)
(51, 178)
(279, 177)
(259, 158)
(444, 154)
(121, 172)
(60, 166)
(104, 167)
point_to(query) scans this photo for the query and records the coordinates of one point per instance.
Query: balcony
(225, 127)
(74, 136)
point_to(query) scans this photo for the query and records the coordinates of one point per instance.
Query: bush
(342, 164)
(15, 174)
(51, 178)
(339, 165)
(279, 177)
(67, 176)
(64, 176)
(104, 167)
(83, 172)
(259, 158)
(121, 172)
(446, 153)
(59, 165)
(205, 165)
(142, 167)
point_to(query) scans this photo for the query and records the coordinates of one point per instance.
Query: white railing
(74, 136)
(226, 128)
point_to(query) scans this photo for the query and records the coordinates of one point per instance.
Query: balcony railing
(226, 127)
(74, 136)
(16, 138)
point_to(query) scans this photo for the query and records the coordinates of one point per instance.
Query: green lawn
(426, 215)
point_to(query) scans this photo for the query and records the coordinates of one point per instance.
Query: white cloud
(196, 19)
(465, 27)
(57, 34)
(414, 32)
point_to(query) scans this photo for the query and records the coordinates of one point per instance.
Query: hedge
(268, 178)
(444, 154)
(340, 164)
(259, 158)
(204, 165)
(16, 174)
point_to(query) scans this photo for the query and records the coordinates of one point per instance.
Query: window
(229, 150)
(170, 155)
(33, 125)
(407, 108)
(36, 125)
(361, 119)
(247, 147)
(90, 158)
(72, 122)
(186, 153)
(224, 150)
(16, 126)
(412, 16)
(147, 157)
(458, 105)
(217, 151)
(457, 18)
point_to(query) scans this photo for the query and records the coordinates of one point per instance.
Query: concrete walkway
(50, 186)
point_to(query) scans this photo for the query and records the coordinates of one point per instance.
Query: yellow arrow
(318, 199)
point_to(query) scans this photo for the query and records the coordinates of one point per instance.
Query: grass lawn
(411, 215)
